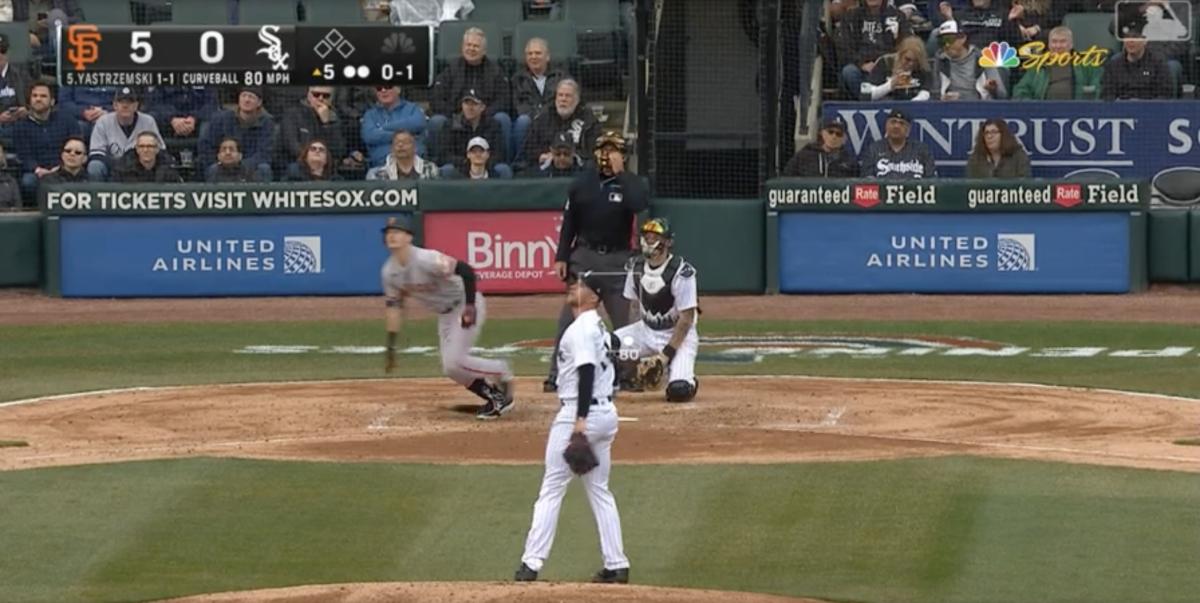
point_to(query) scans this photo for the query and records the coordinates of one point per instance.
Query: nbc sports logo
(1016, 252)
(999, 54)
(301, 255)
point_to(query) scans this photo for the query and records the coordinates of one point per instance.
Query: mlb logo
(866, 195)
(1068, 195)
(1154, 21)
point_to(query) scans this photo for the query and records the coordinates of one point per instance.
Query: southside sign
(795, 194)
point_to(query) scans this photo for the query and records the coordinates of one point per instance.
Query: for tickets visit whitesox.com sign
(511, 252)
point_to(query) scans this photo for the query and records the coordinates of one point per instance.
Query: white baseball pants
(601, 430)
(648, 341)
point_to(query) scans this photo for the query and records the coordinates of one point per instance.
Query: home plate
(627, 419)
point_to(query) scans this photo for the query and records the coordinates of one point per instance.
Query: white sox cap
(479, 141)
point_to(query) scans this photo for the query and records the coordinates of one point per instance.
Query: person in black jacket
(474, 70)
(533, 89)
(471, 122)
(1136, 73)
(865, 34)
(71, 165)
(230, 168)
(824, 158)
(313, 117)
(598, 221)
(147, 164)
(564, 161)
(569, 116)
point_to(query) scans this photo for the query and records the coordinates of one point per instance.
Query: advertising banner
(511, 252)
(805, 194)
(1133, 139)
(213, 256)
(95, 199)
(954, 253)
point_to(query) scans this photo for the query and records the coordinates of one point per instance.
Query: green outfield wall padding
(722, 238)
(1169, 245)
(1193, 246)
(509, 195)
(20, 249)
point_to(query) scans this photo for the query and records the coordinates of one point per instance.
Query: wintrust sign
(511, 252)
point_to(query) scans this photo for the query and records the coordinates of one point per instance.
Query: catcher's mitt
(652, 372)
(579, 455)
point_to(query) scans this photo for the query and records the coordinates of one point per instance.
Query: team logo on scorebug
(1016, 252)
(301, 255)
(84, 45)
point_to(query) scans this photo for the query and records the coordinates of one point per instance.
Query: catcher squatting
(581, 437)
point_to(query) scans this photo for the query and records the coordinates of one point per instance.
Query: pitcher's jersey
(663, 292)
(428, 278)
(586, 341)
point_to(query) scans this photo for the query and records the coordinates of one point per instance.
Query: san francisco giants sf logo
(85, 47)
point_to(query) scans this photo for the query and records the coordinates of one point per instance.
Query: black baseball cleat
(503, 402)
(617, 576)
(524, 574)
(487, 412)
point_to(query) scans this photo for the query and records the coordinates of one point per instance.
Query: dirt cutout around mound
(485, 592)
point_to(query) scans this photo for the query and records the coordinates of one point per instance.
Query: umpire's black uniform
(598, 223)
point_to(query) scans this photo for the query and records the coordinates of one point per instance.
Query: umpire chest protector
(653, 286)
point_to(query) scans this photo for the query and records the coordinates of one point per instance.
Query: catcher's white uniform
(662, 294)
(586, 341)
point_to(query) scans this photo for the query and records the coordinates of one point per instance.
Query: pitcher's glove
(651, 372)
(579, 455)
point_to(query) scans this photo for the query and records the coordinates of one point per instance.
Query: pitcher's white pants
(601, 430)
(455, 344)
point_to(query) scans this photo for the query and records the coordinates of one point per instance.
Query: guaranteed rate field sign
(982, 196)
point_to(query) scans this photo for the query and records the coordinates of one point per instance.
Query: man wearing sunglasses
(826, 157)
(314, 117)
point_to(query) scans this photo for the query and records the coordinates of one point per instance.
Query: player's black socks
(480, 388)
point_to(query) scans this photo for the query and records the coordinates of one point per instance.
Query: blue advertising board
(331, 254)
(1126, 138)
(954, 253)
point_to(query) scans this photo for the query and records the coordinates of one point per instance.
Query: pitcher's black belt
(595, 401)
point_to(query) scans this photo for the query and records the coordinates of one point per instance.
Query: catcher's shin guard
(681, 391)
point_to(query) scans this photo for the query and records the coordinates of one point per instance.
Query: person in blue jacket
(390, 115)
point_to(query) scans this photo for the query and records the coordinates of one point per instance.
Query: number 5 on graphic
(139, 41)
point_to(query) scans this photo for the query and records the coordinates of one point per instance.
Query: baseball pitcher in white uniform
(663, 287)
(585, 388)
(445, 286)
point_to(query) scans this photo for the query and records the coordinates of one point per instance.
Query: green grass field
(923, 531)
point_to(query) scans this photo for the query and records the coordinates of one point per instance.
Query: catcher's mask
(613, 141)
(651, 245)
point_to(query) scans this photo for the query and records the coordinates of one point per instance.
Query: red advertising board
(511, 252)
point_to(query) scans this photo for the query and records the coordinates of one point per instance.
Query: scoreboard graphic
(260, 55)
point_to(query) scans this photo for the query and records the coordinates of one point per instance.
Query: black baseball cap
(398, 223)
(589, 279)
(126, 93)
(834, 121)
(898, 114)
(471, 94)
(563, 141)
(255, 90)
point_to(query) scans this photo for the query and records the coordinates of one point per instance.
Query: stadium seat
(199, 13)
(334, 12)
(504, 13)
(107, 12)
(450, 35)
(599, 40)
(1092, 29)
(19, 49)
(264, 12)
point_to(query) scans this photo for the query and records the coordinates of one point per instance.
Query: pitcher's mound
(484, 592)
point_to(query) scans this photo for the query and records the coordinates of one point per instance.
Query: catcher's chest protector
(654, 291)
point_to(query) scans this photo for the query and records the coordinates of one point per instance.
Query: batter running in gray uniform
(445, 286)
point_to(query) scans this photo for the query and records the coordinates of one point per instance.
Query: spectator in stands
(569, 116)
(36, 137)
(983, 21)
(71, 163)
(541, 10)
(902, 75)
(1032, 20)
(180, 110)
(230, 168)
(428, 12)
(564, 161)
(313, 117)
(10, 193)
(533, 89)
(148, 163)
(470, 123)
(251, 126)
(997, 153)
(403, 163)
(315, 163)
(866, 33)
(826, 157)
(115, 133)
(391, 114)
(957, 68)
(86, 103)
(897, 156)
(14, 89)
(352, 103)
(1136, 73)
(1060, 82)
(477, 165)
(473, 70)
(915, 13)
(41, 15)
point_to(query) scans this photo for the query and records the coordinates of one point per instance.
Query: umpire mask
(608, 142)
